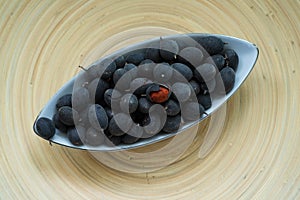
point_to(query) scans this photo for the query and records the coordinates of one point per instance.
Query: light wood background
(258, 153)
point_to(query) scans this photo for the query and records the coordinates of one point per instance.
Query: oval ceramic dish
(247, 53)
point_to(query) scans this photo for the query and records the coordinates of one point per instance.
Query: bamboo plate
(257, 155)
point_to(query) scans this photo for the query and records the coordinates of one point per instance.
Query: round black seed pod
(135, 58)
(76, 135)
(172, 107)
(68, 115)
(168, 49)
(182, 91)
(232, 59)
(205, 72)
(106, 68)
(97, 117)
(152, 52)
(118, 74)
(65, 100)
(204, 100)
(147, 61)
(129, 103)
(191, 55)
(195, 86)
(45, 128)
(184, 70)
(111, 95)
(162, 72)
(218, 60)
(96, 89)
(228, 77)
(212, 44)
(132, 68)
(144, 105)
(154, 125)
(172, 124)
(145, 69)
(58, 124)
(120, 61)
(94, 137)
(112, 140)
(192, 111)
(139, 85)
(80, 98)
(119, 124)
(129, 139)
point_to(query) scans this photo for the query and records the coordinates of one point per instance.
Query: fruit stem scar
(81, 67)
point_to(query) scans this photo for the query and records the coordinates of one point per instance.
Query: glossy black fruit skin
(96, 89)
(168, 49)
(145, 69)
(172, 124)
(58, 124)
(111, 95)
(191, 55)
(153, 53)
(144, 105)
(135, 58)
(129, 103)
(192, 111)
(172, 107)
(204, 100)
(45, 128)
(162, 72)
(154, 125)
(218, 60)
(184, 70)
(112, 140)
(68, 115)
(118, 74)
(65, 100)
(120, 61)
(129, 139)
(228, 77)
(106, 68)
(132, 69)
(98, 117)
(182, 91)
(232, 59)
(76, 135)
(212, 44)
(119, 124)
(94, 137)
(139, 85)
(205, 72)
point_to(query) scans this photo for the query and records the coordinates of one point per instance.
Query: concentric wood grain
(258, 153)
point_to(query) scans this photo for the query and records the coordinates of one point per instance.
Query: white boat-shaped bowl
(247, 53)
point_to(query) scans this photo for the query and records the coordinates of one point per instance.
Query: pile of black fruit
(113, 102)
